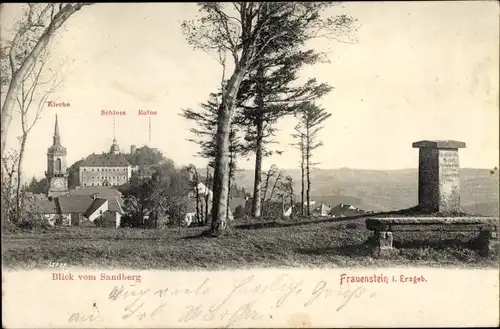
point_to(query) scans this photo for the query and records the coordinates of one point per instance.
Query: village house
(72, 210)
(322, 210)
(345, 210)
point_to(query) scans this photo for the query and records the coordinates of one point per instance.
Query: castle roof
(103, 160)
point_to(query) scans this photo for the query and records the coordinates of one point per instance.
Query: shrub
(351, 225)
(239, 212)
(104, 221)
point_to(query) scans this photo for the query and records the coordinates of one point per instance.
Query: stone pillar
(439, 176)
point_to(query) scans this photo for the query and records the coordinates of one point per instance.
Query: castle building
(107, 169)
(57, 173)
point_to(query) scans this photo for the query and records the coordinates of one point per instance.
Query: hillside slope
(389, 190)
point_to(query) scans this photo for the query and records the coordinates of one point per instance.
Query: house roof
(115, 204)
(43, 206)
(334, 199)
(112, 195)
(74, 203)
(320, 207)
(106, 159)
(94, 206)
(345, 209)
(103, 192)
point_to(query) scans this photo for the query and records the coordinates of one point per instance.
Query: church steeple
(57, 137)
(57, 173)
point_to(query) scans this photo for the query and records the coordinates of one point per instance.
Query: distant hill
(380, 190)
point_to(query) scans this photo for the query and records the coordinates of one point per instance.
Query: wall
(102, 209)
(51, 218)
(98, 176)
(66, 219)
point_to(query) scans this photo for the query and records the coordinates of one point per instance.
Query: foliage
(237, 192)
(74, 174)
(148, 198)
(104, 221)
(239, 212)
(311, 118)
(9, 185)
(205, 132)
(38, 186)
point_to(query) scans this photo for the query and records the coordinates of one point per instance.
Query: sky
(419, 71)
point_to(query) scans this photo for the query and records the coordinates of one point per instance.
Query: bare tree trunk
(292, 200)
(197, 195)
(229, 184)
(266, 186)
(221, 170)
(272, 191)
(198, 218)
(308, 196)
(19, 171)
(205, 220)
(8, 188)
(302, 154)
(20, 74)
(259, 101)
(257, 185)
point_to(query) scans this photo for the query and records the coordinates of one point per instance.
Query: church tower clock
(57, 174)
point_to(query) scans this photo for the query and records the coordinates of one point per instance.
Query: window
(58, 164)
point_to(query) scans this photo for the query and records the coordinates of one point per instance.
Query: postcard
(250, 164)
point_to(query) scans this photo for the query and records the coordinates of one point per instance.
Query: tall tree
(74, 174)
(271, 92)
(300, 144)
(311, 118)
(205, 131)
(205, 135)
(38, 186)
(35, 89)
(240, 29)
(33, 32)
(194, 180)
(8, 184)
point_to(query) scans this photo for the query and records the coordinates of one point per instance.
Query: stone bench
(385, 227)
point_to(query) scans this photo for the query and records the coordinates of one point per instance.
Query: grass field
(328, 243)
